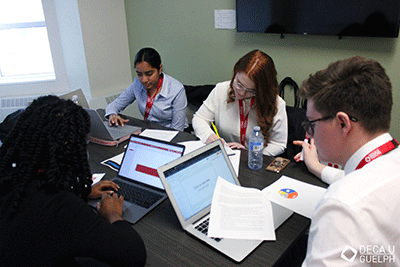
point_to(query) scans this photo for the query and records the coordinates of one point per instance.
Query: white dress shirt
(359, 211)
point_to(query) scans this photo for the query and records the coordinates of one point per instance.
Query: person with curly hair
(44, 180)
(250, 98)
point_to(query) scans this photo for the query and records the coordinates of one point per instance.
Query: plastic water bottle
(256, 145)
(75, 99)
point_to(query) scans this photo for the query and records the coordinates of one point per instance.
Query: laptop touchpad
(126, 205)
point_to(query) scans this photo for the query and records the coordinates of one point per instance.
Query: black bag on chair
(296, 115)
(7, 125)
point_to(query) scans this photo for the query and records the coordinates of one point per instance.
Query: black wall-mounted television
(368, 18)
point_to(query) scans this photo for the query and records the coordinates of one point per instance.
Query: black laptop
(138, 178)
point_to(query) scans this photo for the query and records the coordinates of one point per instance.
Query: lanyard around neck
(244, 120)
(150, 100)
(377, 152)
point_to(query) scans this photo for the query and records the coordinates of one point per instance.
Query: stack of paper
(245, 213)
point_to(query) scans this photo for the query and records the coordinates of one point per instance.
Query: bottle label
(256, 146)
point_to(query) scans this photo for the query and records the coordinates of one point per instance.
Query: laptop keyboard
(203, 227)
(137, 195)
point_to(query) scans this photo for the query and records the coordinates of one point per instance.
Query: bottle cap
(256, 128)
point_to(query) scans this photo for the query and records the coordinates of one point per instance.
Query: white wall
(72, 45)
(194, 52)
(105, 39)
(92, 40)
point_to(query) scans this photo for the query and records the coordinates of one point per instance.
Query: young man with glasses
(348, 119)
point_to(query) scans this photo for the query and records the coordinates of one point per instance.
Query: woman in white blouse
(250, 98)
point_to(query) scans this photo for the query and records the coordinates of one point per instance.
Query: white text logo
(369, 254)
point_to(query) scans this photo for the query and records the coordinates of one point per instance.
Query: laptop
(81, 97)
(137, 176)
(102, 130)
(190, 181)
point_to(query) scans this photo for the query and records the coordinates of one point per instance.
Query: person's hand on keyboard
(105, 186)
(110, 207)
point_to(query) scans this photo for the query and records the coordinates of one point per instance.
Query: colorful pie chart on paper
(288, 193)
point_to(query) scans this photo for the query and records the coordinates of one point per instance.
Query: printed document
(240, 213)
(295, 195)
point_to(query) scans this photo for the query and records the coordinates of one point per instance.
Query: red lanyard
(150, 100)
(244, 120)
(383, 149)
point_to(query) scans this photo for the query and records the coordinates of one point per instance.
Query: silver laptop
(81, 97)
(192, 203)
(137, 176)
(102, 130)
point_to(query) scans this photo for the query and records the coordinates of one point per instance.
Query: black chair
(296, 115)
(195, 95)
(295, 131)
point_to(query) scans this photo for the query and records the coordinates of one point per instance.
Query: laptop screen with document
(193, 181)
(142, 158)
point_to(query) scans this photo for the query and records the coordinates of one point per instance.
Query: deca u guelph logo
(369, 254)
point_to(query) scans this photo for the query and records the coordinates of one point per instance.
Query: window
(25, 54)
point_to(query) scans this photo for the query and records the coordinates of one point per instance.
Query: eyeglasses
(240, 87)
(308, 125)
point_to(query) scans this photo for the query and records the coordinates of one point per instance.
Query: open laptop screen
(142, 158)
(193, 181)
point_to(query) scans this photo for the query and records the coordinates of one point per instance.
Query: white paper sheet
(295, 195)
(96, 177)
(225, 19)
(234, 156)
(115, 162)
(165, 135)
(191, 146)
(240, 213)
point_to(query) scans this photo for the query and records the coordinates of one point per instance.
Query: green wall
(194, 52)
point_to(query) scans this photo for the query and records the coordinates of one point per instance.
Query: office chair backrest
(296, 115)
(195, 95)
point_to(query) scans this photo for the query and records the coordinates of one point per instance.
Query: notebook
(190, 181)
(102, 130)
(138, 174)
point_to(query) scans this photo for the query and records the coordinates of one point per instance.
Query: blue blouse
(169, 107)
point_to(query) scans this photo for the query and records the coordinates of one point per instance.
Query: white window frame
(40, 86)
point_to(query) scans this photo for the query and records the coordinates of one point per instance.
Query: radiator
(10, 104)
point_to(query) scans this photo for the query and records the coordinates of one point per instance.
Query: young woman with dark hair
(250, 98)
(44, 179)
(161, 98)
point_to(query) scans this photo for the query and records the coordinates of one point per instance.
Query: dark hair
(48, 144)
(357, 86)
(260, 68)
(150, 55)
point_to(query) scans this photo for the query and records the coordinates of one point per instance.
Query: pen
(215, 129)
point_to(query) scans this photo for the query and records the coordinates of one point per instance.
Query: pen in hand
(215, 129)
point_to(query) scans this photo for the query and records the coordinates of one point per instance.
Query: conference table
(168, 244)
